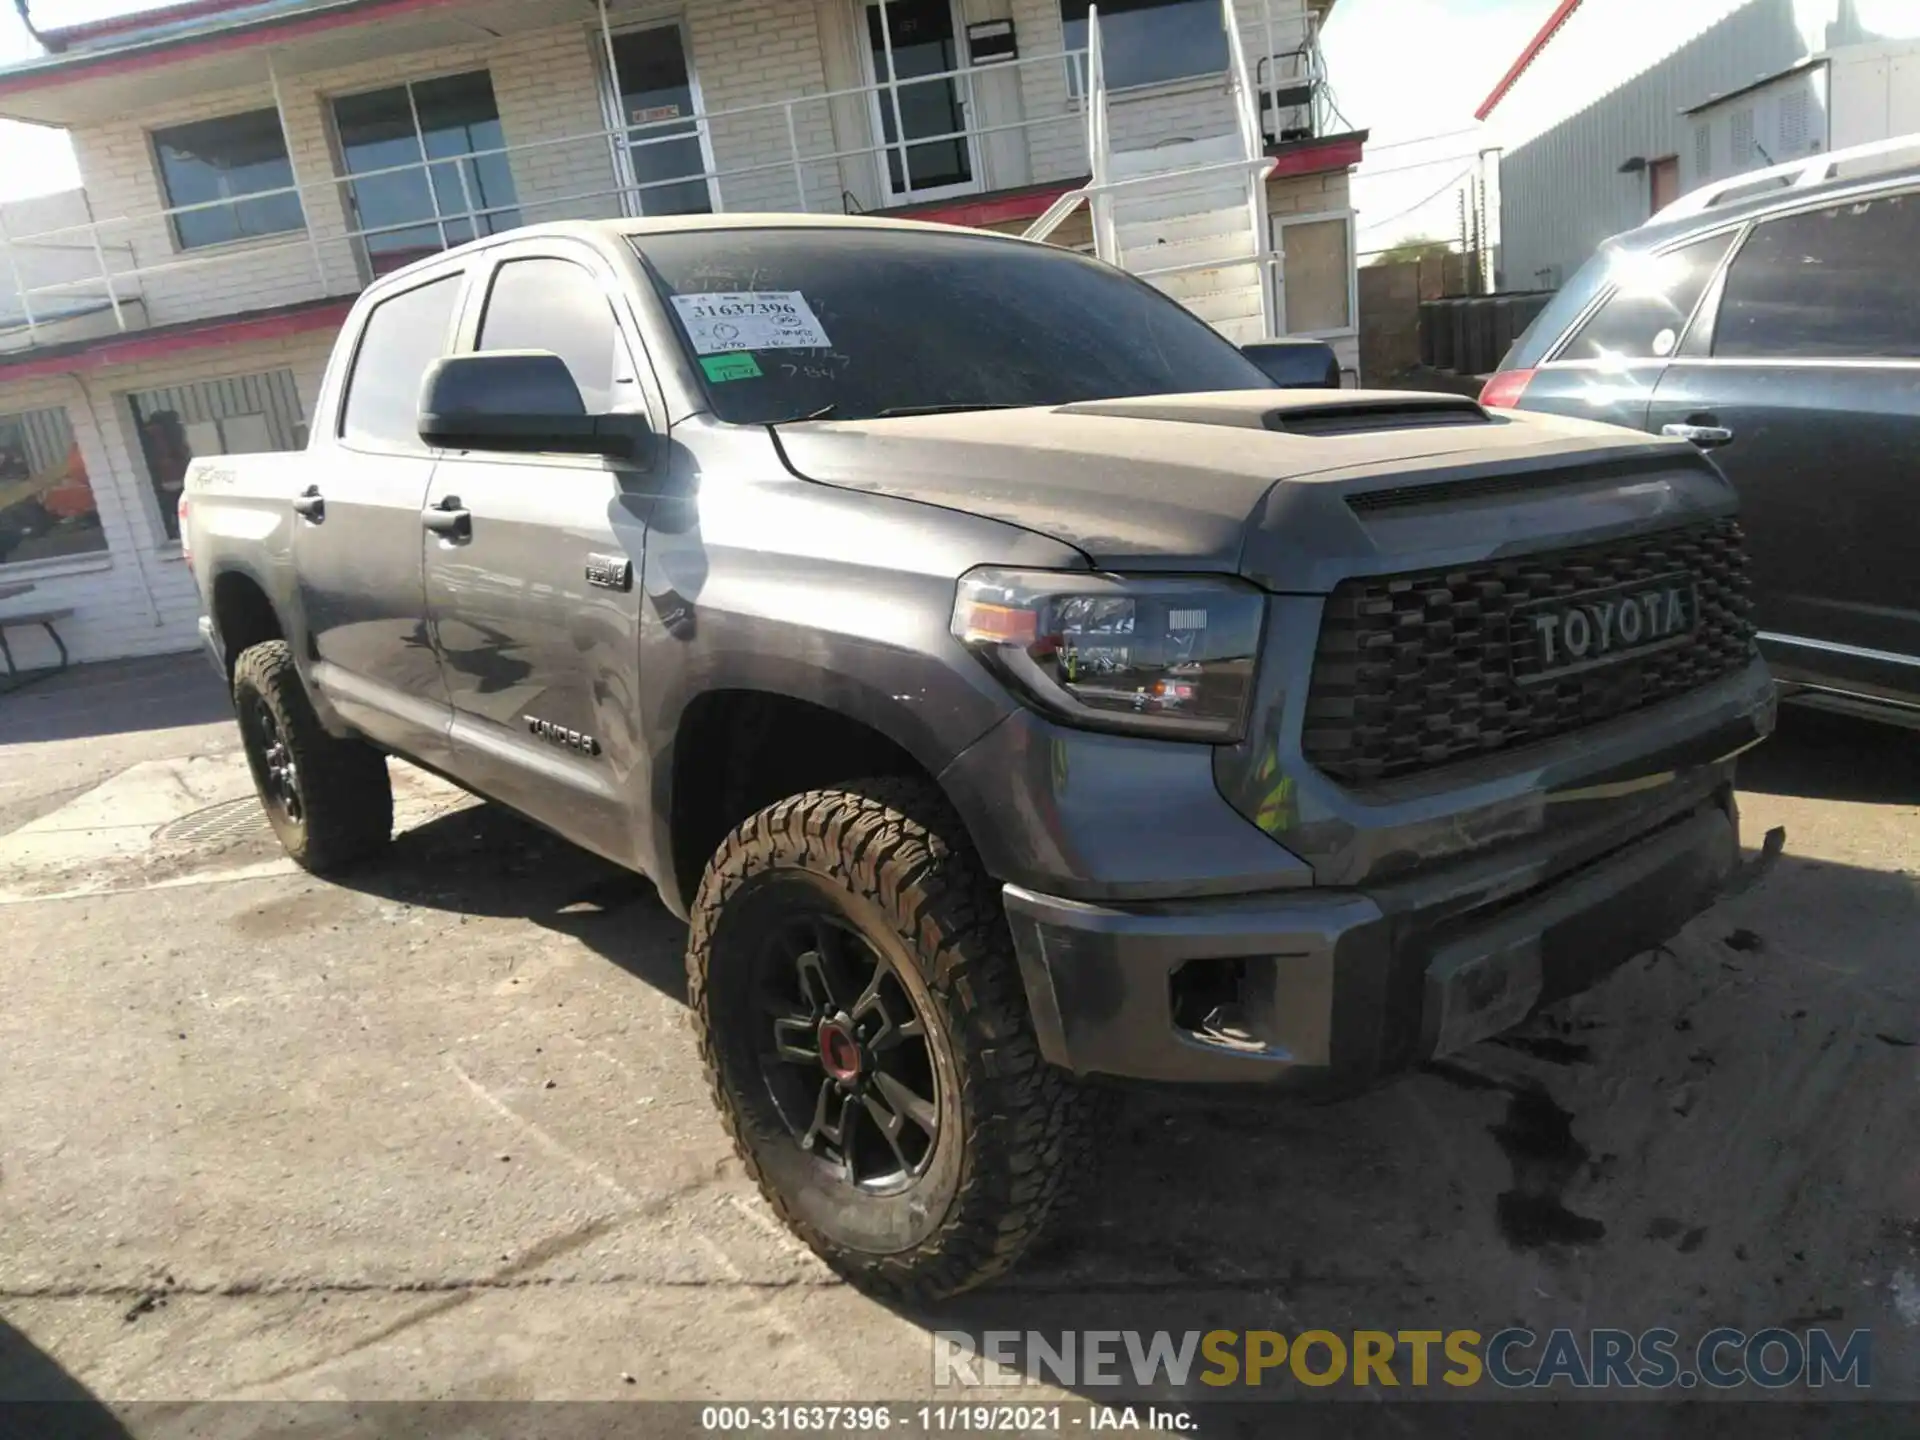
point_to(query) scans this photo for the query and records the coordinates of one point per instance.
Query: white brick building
(248, 165)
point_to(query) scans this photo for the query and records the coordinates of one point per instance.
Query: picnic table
(45, 619)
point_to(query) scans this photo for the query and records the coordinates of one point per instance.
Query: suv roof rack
(1794, 175)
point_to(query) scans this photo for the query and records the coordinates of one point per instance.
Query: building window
(216, 165)
(241, 416)
(423, 183)
(1149, 42)
(46, 500)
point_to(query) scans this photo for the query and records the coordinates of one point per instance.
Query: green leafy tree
(1419, 247)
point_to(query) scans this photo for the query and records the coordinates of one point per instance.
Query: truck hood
(1293, 489)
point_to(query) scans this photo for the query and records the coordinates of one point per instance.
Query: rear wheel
(868, 1043)
(330, 800)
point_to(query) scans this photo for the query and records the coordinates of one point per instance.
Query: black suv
(1774, 319)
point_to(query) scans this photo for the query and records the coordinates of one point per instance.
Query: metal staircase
(1189, 217)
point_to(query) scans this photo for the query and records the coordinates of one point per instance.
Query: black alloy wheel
(865, 1032)
(846, 1057)
(329, 798)
(279, 773)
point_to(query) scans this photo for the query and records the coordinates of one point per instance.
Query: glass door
(937, 156)
(659, 104)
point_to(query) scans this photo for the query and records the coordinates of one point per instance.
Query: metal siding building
(1562, 192)
(1562, 188)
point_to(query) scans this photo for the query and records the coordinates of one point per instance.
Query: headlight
(1142, 654)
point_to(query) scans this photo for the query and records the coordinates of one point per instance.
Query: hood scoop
(1320, 412)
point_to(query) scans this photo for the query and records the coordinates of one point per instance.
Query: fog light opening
(1225, 1003)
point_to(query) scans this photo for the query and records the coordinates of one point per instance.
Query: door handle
(310, 505)
(1707, 437)
(450, 519)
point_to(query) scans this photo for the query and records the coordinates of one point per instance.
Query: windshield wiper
(825, 412)
(899, 410)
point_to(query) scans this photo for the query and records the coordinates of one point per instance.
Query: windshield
(805, 323)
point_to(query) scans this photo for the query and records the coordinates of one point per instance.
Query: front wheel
(868, 1043)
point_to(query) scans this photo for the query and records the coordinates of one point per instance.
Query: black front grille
(1415, 671)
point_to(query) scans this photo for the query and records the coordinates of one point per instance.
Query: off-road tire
(893, 851)
(345, 810)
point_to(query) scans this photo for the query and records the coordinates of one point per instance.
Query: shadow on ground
(117, 698)
(482, 860)
(39, 1398)
(1822, 756)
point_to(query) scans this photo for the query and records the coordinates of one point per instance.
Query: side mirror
(1296, 364)
(521, 401)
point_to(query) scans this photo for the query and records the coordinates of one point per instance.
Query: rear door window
(1653, 298)
(1832, 283)
(403, 337)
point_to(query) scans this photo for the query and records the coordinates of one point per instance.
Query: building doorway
(1663, 182)
(656, 98)
(923, 114)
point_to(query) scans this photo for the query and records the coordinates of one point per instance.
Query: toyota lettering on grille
(1555, 637)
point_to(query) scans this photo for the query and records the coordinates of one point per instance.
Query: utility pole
(1489, 183)
(1481, 268)
(1466, 245)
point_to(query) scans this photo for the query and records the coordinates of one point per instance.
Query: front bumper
(1333, 989)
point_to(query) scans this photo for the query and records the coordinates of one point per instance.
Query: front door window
(658, 104)
(931, 115)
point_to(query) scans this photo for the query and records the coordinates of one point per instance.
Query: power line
(1423, 139)
(1365, 174)
(1401, 215)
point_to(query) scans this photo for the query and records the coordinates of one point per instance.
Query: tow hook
(1749, 873)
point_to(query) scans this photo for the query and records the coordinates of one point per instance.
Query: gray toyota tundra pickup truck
(1009, 684)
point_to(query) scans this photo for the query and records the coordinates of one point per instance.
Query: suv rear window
(792, 323)
(1653, 298)
(1826, 283)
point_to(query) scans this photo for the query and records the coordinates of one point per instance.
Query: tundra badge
(559, 735)
(610, 572)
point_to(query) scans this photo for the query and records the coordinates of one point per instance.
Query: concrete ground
(440, 1132)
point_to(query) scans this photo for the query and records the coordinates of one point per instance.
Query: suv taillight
(1504, 390)
(186, 539)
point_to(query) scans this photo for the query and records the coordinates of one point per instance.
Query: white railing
(1290, 76)
(1254, 166)
(344, 271)
(1093, 86)
(1106, 243)
(1253, 145)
